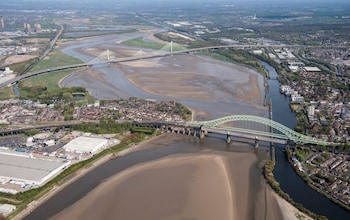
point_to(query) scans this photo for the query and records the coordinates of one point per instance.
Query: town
(309, 51)
(326, 171)
(18, 113)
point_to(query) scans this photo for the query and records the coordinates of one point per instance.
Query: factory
(85, 145)
(22, 170)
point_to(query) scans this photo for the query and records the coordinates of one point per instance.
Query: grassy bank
(49, 80)
(55, 59)
(142, 43)
(7, 93)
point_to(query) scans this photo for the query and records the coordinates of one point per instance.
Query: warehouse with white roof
(23, 169)
(83, 145)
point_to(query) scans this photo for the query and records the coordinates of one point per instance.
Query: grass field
(216, 56)
(49, 80)
(140, 42)
(54, 59)
(7, 93)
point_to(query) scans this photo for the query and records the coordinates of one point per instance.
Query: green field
(140, 42)
(49, 80)
(55, 59)
(7, 93)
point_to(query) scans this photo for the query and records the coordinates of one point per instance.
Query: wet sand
(206, 185)
(181, 77)
(195, 77)
(177, 187)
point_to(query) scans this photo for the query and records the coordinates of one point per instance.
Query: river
(289, 181)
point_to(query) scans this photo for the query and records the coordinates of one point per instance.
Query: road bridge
(278, 134)
(141, 55)
(246, 126)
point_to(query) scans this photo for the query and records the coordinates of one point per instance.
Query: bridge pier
(256, 143)
(201, 134)
(273, 152)
(228, 138)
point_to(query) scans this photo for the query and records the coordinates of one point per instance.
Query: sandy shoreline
(159, 180)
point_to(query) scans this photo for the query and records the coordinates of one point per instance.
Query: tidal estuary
(173, 176)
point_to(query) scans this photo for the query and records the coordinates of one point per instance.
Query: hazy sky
(192, 1)
(180, 3)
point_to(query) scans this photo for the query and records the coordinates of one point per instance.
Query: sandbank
(177, 187)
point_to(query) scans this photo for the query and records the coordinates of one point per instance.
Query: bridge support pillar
(273, 157)
(256, 143)
(202, 135)
(228, 138)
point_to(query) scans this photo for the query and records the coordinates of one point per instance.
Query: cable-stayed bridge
(108, 57)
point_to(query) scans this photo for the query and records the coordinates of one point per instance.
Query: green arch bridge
(286, 134)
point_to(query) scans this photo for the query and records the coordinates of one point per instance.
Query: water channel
(289, 181)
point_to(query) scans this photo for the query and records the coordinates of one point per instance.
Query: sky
(192, 1)
(105, 3)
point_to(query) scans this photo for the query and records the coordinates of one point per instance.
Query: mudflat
(177, 187)
(181, 77)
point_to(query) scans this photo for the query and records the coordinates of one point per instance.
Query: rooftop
(28, 169)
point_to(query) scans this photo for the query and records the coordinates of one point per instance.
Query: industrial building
(24, 170)
(6, 209)
(82, 145)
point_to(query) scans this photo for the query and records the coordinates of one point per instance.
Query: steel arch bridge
(286, 133)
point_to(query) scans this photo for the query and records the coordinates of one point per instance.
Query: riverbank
(75, 176)
(200, 185)
(310, 183)
(207, 178)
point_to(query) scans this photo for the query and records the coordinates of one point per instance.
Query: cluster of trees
(48, 97)
(243, 57)
(105, 126)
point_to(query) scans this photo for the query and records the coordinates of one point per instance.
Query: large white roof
(31, 170)
(85, 145)
(312, 69)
